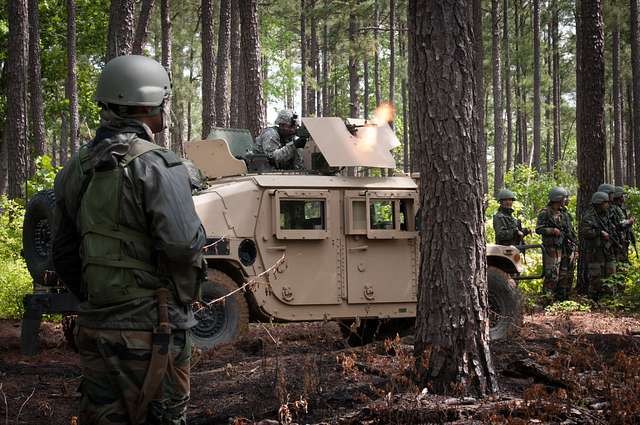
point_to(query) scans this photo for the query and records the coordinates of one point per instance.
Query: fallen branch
(24, 404)
(6, 406)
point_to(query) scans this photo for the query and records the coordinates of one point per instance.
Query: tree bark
(35, 83)
(237, 72)
(392, 52)
(164, 138)
(72, 77)
(536, 85)
(365, 77)
(376, 54)
(63, 152)
(556, 82)
(354, 79)
(635, 68)
(311, 61)
(451, 292)
(507, 83)
(548, 102)
(120, 35)
(497, 98)
(326, 104)
(16, 136)
(303, 58)
(479, 102)
(208, 88)
(142, 28)
(222, 65)
(629, 137)
(250, 48)
(617, 113)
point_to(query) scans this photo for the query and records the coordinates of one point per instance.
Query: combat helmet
(505, 194)
(607, 188)
(557, 194)
(133, 80)
(619, 192)
(599, 198)
(286, 116)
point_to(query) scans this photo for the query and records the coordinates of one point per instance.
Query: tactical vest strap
(119, 232)
(138, 148)
(123, 263)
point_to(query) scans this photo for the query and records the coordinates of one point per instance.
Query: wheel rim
(42, 237)
(211, 320)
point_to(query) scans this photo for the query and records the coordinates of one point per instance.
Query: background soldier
(280, 144)
(569, 252)
(624, 223)
(508, 229)
(599, 255)
(614, 212)
(128, 244)
(550, 227)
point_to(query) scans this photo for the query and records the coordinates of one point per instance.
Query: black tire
(37, 234)
(374, 330)
(505, 305)
(223, 322)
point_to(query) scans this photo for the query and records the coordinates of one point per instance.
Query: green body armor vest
(109, 273)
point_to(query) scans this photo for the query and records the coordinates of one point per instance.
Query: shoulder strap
(139, 147)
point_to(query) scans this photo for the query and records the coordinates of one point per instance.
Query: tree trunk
(326, 104)
(16, 136)
(548, 103)
(405, 128)
(354, 80)
(479, 102)
(376, 54)
(64, 139)
(497, 98)
(392, 52)
(164, 138)
(142, 28)
(303, 58)
(451, 292)
(556, 82)
(635, 67)
(4, 163)
(120, 35)
(237, 81)
(72, 77)
(617, 113)
(536, 85)
(208, 91)
(35, 83)
(222, 65)
(629, 137)
(250, 48)
(507, 82)
(590, 129)
(365, 77)
(519, 157)
(311, 61)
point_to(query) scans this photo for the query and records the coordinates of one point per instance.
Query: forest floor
(580, 368)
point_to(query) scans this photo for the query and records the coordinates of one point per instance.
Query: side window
(382, 214)
(302, 214)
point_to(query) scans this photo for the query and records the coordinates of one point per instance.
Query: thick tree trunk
(556, 82)
(354, 79)
(635, 67)
(303, 58)
(451, 292)
(629, 137)
(237, 72)
(72, 77)
(222, 65)
(590, 129)
(208, 88)
(507, 82)
(142, 28)
(479, 101)
(406, 146)
(35, 83)
(120, 35)
(16, 136)
(536, 85)
(497, 98)
(548, 104)
(250, 48)
(376, 53)
(164, 138)
(617, 110)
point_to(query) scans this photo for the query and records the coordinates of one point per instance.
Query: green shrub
(567, 307)
(44, 176)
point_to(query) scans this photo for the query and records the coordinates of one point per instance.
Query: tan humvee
(351, 243)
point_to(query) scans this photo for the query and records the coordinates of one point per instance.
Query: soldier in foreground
(280, 144)
(624, 224)
(569, 252)
(508, 229)
(128, 244)
(599, 256)
(556, 232)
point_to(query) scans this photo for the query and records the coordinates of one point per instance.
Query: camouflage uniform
(599, 254)
(568, 259)
(506, 227)
(549, 220)
(281, 153)
(161, 248)
(618, 218)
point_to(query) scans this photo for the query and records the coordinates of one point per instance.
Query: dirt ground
(581, 368)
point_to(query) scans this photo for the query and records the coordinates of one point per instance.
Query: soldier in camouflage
(624, 224)
(599, 255)
(128, 244)
(280, 144)
(508, 229)
(551, 225)
(569, 252)
(614, 216)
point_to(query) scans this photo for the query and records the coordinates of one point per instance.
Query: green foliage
(15, 281)
(44, 177)
(567, 307)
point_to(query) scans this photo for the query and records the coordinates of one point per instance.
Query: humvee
(350, 244)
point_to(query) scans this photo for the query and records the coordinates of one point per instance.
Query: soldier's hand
(520, 234)
(300, 142)
(605, 235)
(632, 221)
(556, 232)
(526, 232)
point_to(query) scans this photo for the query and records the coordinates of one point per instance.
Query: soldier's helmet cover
(619, 192)
(599, 198)
(286, 116)
(505, 194)
(557, 194)
(133, 80)
(606, 188)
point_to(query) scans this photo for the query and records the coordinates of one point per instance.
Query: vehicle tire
(37, 234)
(223, 322)
(505, 305)
(361, 335)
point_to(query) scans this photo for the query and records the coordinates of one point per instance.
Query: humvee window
(302, 215)
(382, 215)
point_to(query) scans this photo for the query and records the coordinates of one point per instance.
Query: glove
(300, 142)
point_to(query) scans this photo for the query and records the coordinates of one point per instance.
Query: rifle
(611, 234)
